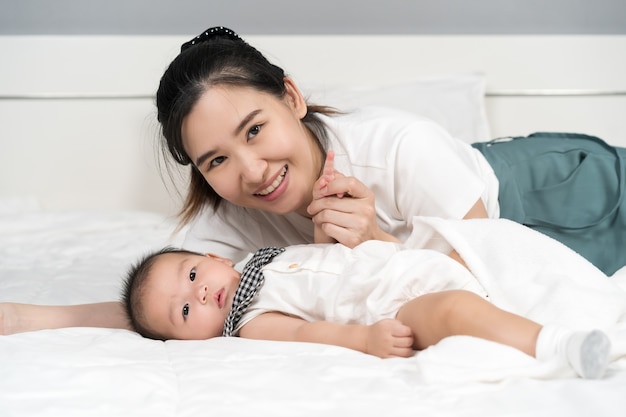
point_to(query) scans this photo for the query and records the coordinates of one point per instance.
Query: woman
(256, 148)
(396, 165)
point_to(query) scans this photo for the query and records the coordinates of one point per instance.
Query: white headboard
(77, 118)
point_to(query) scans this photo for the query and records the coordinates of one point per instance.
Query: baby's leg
(448, 313)
(435, 316)
(18, 318)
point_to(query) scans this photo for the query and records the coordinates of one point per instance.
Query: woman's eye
(254, 130)
(216, 161)
(192, 274)
(185, 311)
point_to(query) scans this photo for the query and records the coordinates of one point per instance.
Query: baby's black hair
(134, 287)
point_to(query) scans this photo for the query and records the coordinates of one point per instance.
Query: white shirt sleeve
(210, 232)
(433, 176)
(233, 232)
(411, 164)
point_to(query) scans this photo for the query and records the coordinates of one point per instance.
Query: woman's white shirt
(411, 164)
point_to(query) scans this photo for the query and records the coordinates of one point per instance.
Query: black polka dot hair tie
(211, 33)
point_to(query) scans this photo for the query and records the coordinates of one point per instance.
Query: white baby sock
(586, 352)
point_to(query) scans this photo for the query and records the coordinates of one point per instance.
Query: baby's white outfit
(353, 286)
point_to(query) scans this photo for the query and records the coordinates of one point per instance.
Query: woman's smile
(277, 185)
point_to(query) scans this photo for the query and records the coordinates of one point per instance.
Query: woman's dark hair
(217, 59)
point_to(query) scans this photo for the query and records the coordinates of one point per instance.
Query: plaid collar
(251, 280)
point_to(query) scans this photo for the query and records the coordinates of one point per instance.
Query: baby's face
(189, 296)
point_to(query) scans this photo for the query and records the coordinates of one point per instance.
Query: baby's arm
(386, 338)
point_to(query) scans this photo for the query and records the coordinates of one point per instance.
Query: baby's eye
(254, 130)
(192, 274)
(185, 311)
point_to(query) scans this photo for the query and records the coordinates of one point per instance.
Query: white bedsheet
(77, 257)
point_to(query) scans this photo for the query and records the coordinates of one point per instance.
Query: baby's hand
(389, 338)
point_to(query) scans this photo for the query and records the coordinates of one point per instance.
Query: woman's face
(252, 147)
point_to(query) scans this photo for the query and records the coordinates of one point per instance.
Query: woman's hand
(389, 338)
(343, 209)
(328, 176)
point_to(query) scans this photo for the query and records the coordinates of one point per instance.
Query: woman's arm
(478, 211)
(429, 174)
(18, 318)
(343, 209)
(386, 338)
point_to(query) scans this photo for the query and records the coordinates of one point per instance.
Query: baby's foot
(588, 353)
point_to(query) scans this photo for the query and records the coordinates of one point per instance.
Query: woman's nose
(253, 169)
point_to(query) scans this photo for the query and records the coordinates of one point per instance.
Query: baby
(379, 298)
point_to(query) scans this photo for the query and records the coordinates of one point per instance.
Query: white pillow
(456, 102)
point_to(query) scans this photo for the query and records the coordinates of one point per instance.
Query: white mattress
(79, 257)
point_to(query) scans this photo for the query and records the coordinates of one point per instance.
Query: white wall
(319, 17)
(94, 152)
(100, 153)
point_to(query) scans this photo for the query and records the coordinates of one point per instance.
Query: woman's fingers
(348, 220)
(348, 186)
(341, 186)
(360, 199)
(329, 164)
(343, 207)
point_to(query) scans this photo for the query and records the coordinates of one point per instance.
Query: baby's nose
(203, 290)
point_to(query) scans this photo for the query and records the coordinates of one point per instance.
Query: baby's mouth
(274, 185)
(220, 298)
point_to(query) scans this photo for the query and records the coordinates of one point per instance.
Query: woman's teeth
(275, 184)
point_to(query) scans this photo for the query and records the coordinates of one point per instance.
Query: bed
(77, 256)
(72, 221)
